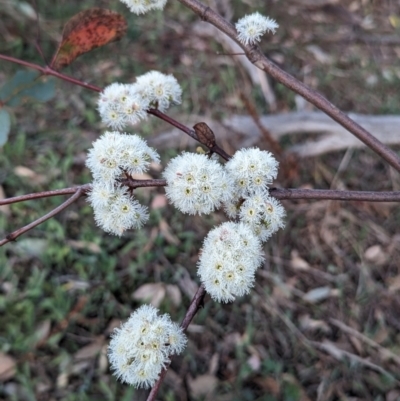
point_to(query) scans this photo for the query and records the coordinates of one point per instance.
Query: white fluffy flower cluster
(141, 347)
(253, 170)
(251, 27)
(232, 252)
(123, 104)
(143, 6)
(230, 256)
(196, 183)
(263, 214)
(114, 156)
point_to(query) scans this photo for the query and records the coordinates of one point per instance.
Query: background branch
(255, 55)
(45, 194)
(279, 193)
(15, 234)
(330, 194)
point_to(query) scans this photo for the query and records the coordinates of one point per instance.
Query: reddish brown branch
(49, 71)
(14, 235)
(194, 306)
(133, 184)
(44, 194)
(279, 193)
(173, 122)
(189, 131)
(255, 55)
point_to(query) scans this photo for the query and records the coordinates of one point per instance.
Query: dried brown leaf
(174, 294)
(202, 385)
(86, 31)
(153, 293)
(34, 178)
(166, 232)
(376, 255)
(7, 367)
(91, 350)
(90, 246)
(319, 294)
(297, 262)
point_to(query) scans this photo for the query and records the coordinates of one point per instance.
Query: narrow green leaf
(27, 84)
(5, 125)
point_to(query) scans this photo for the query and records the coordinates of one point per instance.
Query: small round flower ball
(252, 170)
(232, 208)
(230, 256)
(143, 6)
(111, 94)
(251, 27)
(159, 89)
(120, 104)
(141, 347)
(104, 158)
(115, 153)
(136, 156)
(116, 211)
(263, 214)
(196, 184)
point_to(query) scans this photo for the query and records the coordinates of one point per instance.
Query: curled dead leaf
(204, 134)
(86, 31)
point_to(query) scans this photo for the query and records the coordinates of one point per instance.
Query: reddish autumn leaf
(86, 31)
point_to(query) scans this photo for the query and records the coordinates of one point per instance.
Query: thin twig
(38, 36)
(272, 143)
(14, 235)
(45, 194)
(341, 355)
(279, 193)
(170, 120)
(329, 194)
(255, 55)
(49, 71)
(352, 332)
(192, 310)
(189, 131)
(327, 347)
(157, 113)
(133, 184)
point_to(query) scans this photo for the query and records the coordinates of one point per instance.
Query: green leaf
(40, 90)
(5, 125)
(27, 84)
(18, 82)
